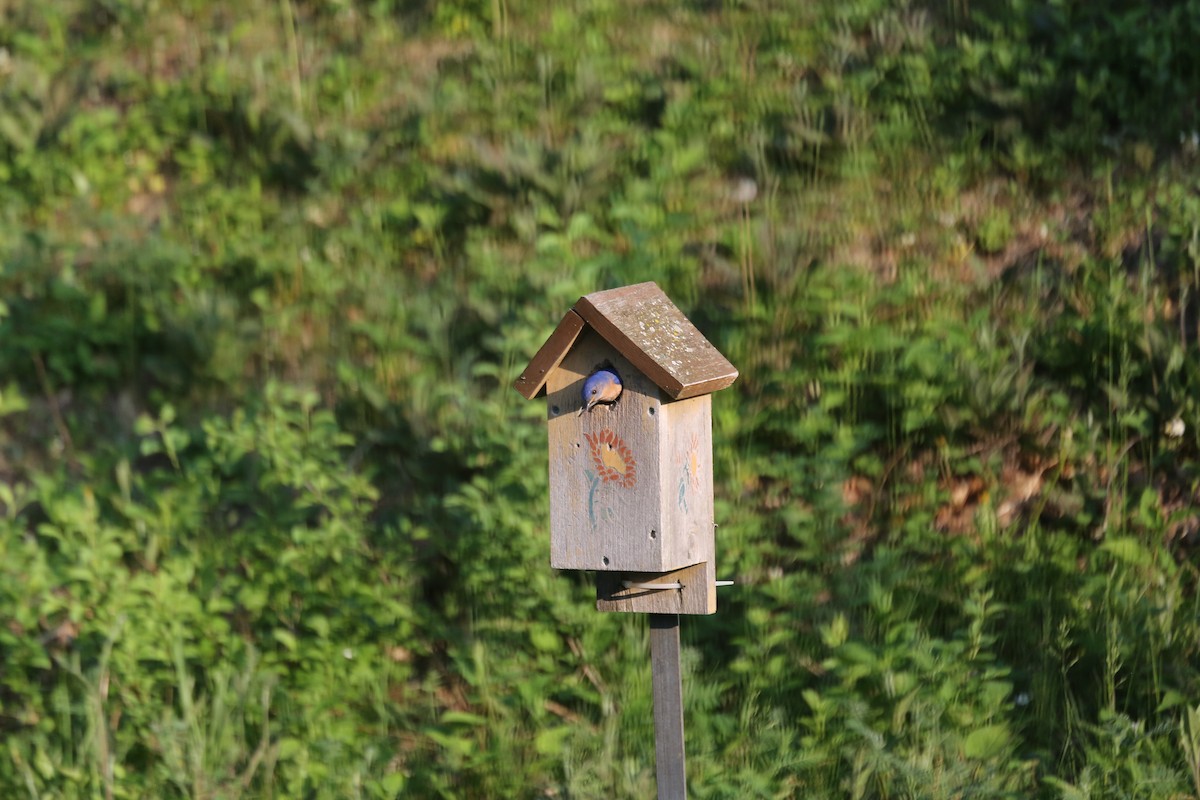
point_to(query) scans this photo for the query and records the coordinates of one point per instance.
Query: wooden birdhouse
(631, 487)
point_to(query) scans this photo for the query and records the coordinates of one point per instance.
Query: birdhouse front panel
(604, 465)
(630, 480)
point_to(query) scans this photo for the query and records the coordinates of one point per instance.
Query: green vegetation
(273, 521)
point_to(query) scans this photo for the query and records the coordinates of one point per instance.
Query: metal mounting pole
(668, 706)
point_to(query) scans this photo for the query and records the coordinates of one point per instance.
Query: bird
(602, 386)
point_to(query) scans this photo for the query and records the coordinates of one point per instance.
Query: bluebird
(602, 386)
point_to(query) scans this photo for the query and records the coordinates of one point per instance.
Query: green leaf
(285, 638)
(1128, 550)
(545, 639)
(987, 742)
(392, 784)
(550, 741)
(290, 747)
(1171, 699)
(463, 718)
(318, 624)
(857, 653)
(834, 634)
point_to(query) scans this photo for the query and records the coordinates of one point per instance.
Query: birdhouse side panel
(605, 484)
(687, 482)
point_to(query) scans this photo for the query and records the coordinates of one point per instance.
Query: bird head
(602, 386)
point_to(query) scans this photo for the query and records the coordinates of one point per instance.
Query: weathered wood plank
(667, 678)
(605, 484)
(698, 595)
(686, 487)
(530, 382)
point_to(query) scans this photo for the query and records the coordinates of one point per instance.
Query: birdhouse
(628, 382)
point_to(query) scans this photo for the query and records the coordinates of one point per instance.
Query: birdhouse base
(643, 592)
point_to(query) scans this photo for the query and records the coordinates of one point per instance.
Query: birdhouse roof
(646, 328)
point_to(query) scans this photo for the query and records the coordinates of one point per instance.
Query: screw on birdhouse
(656, 587)
(602, 386)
